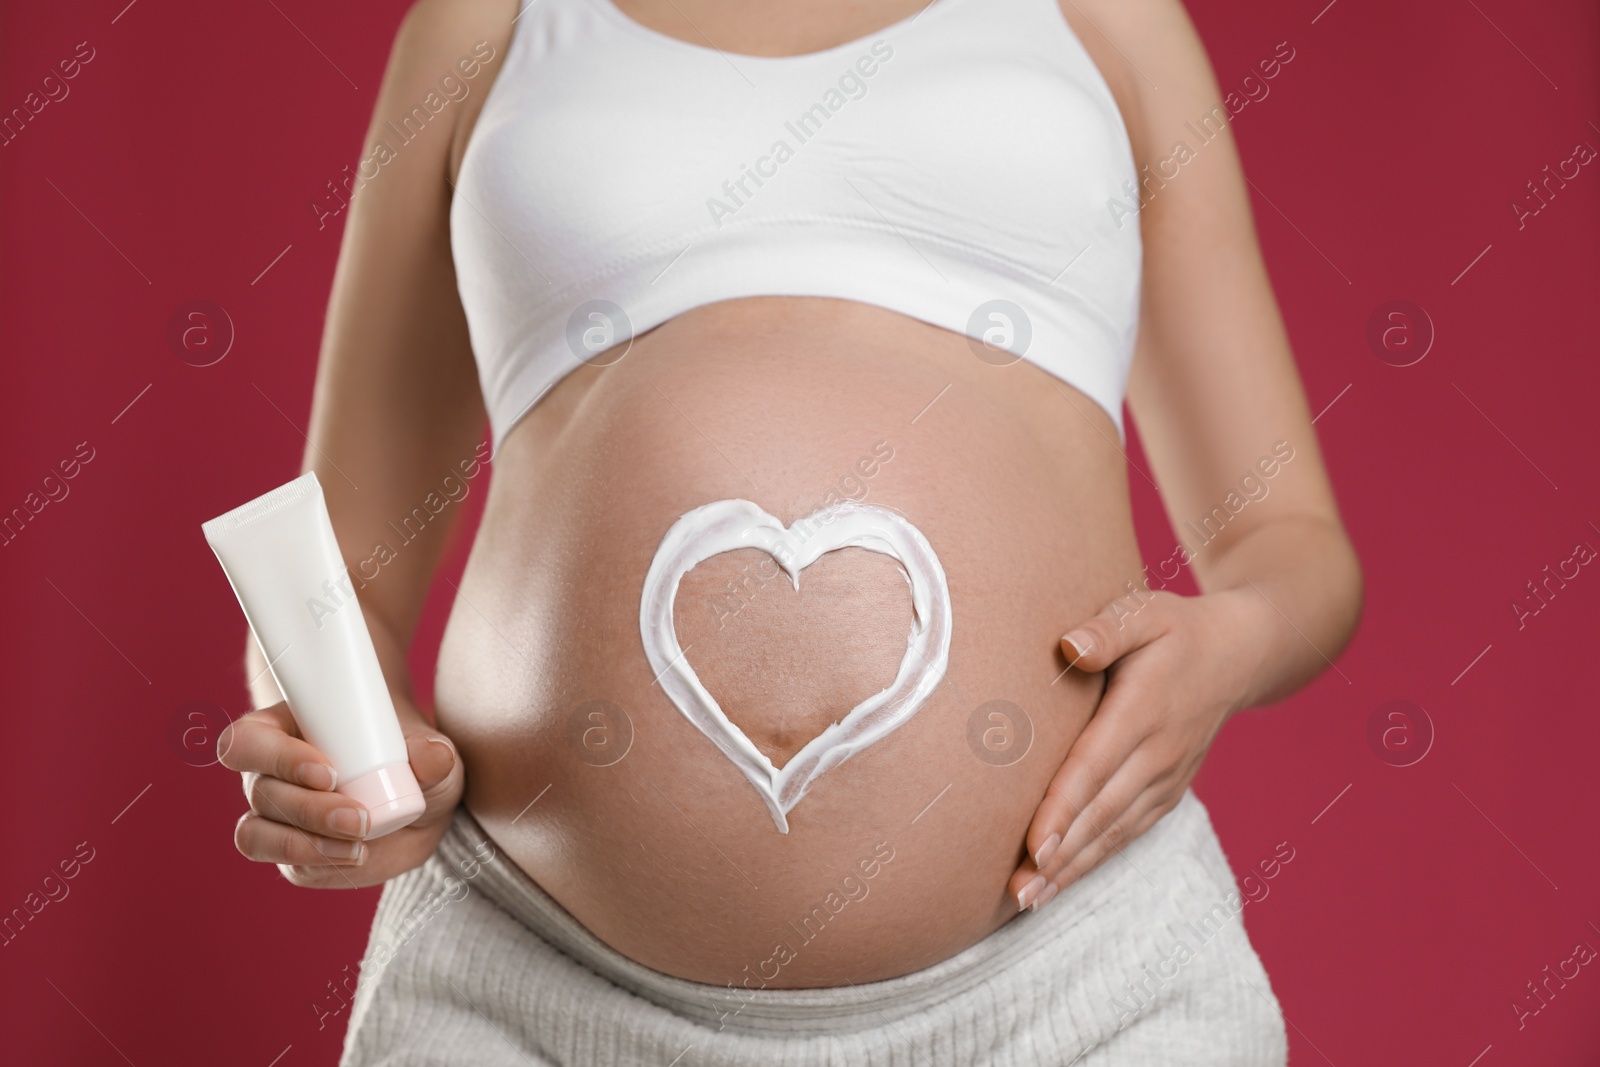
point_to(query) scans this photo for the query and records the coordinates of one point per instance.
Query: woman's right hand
(314, 834)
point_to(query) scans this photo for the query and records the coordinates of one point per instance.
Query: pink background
(184, 162)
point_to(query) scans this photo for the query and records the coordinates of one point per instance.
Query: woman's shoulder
(445, 20)
(445, 56)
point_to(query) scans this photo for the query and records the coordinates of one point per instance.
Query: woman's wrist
(1247, 628)
(1289, 594)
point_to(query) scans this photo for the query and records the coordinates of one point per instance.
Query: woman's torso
(603, 792)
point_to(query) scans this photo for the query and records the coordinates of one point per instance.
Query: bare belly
(597, 786)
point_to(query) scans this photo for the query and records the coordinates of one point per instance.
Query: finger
(1097, 823)
(1113, 734)
(1122, 626)
(1145, 812)
(329, 814)
(277, 715)
(438, 770)
(328, 876)
(1105, 816)
(262, 743)
(266, 841)
(433, 760)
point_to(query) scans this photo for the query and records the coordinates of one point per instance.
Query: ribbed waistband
(1185, 831)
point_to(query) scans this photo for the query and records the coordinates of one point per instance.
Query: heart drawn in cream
(731, 524)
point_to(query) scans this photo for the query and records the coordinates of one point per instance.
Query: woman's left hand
(1177, 668)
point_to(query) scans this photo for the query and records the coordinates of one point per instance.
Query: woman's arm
(1224, 422)
(397, 424)
(1214, 387)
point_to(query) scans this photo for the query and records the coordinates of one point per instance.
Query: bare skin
(1014, 476)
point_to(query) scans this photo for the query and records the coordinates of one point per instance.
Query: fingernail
(346, 851)
(446, 746)
(317, 776)
(1082, 643)
(1026, 894)
(352, 822)
(1046, 850)
(1046, 897)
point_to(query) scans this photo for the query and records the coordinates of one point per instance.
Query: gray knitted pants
(1144, 961)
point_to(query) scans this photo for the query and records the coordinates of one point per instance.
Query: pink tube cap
(391, 796)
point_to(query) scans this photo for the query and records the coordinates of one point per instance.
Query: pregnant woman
(900, 266)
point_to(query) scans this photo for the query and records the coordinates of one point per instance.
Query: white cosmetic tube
(283, 562)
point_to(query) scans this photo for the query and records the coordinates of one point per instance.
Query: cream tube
(283, 561)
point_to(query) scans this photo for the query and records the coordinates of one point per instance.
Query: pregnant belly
(595, 783)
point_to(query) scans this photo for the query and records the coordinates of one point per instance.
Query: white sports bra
(966, 166)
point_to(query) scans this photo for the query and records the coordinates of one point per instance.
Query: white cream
(732, 524)
(283, 561)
